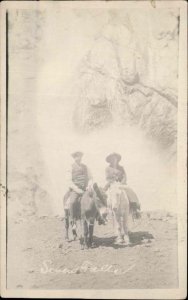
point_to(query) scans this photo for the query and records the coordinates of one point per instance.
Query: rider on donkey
(116, 184)
(80, 180)
(116, 173)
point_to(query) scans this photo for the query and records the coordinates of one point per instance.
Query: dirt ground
(40, 258)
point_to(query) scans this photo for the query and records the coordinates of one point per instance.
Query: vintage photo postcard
(93, 149)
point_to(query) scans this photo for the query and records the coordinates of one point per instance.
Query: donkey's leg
(125, 217)
(91, 229)
(79, 228)
(66, 224)
(126, 229)
(73, 212)
(81, 233)
(79, 217)
(85, 225)
(74, 227)
(117, 218)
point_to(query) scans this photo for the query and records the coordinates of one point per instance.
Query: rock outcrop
(130, 75)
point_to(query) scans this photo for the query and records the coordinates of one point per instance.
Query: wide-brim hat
(111, 157)
(77, 154)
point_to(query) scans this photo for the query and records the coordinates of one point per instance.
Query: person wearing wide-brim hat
(116, 183)
(113, 156)
(115, 172)
(115, 177)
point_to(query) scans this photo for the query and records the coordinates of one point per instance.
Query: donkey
(123, 202)
(91, 205)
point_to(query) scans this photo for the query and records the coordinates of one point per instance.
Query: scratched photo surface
(97, 81)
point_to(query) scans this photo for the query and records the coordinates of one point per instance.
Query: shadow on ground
(136, 238)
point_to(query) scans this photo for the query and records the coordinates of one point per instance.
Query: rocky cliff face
(26, 170)
(129, 76)
(126, 70)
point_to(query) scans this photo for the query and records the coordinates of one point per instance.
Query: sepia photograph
(93, 149)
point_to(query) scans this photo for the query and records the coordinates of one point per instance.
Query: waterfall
(88, 87)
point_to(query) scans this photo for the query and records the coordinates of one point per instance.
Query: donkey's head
(101, 203)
